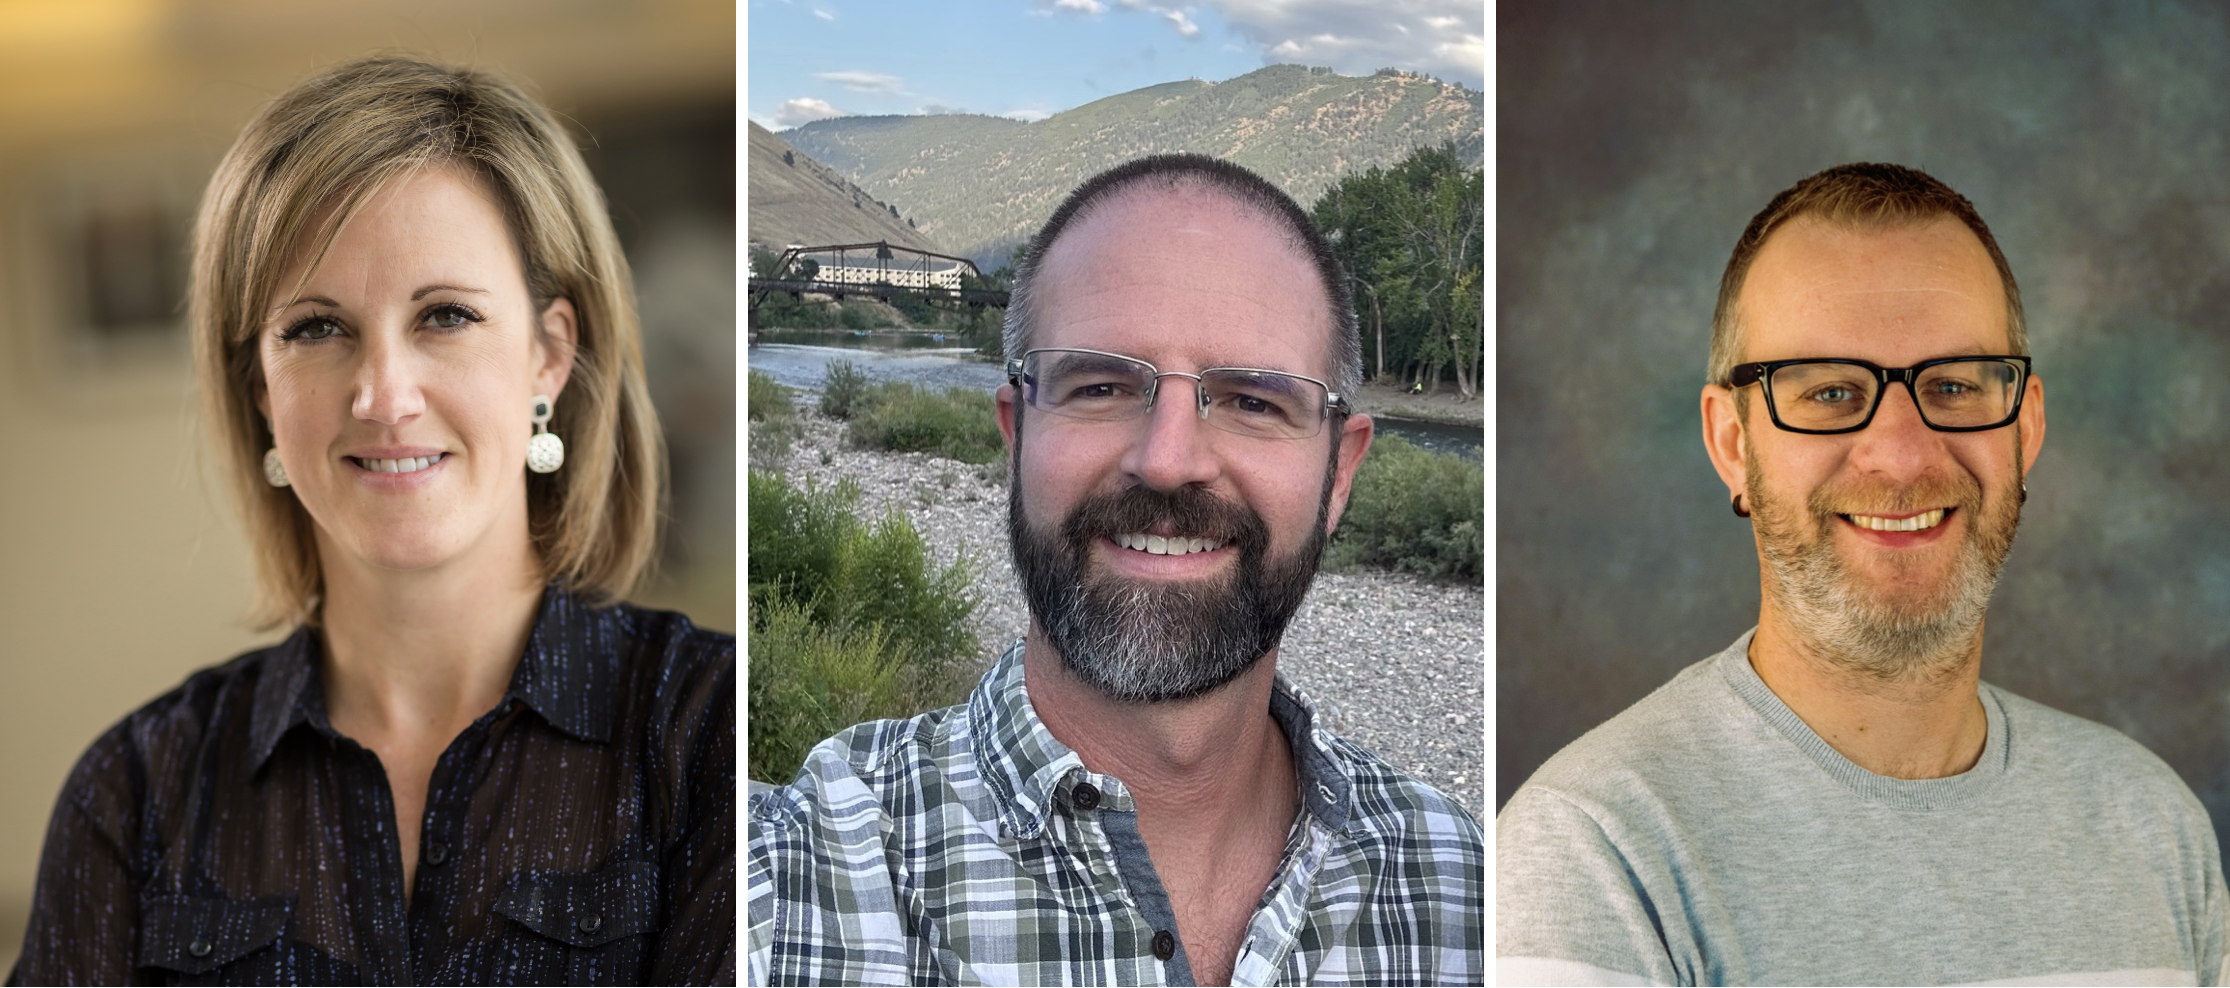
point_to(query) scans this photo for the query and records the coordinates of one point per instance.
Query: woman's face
(398, 378)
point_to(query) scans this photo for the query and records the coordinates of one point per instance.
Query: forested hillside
(981, 185)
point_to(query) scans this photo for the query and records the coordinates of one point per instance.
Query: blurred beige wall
(122, 566)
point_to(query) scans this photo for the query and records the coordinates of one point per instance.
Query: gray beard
(1158, 642)
(1881, 634)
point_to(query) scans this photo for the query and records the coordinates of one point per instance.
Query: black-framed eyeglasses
(1098, 386)
(1830, 396)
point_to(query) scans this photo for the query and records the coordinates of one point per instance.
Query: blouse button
(591, 923)
(1085, 796)
(437, 853)
(199, 948)
(1165, 946)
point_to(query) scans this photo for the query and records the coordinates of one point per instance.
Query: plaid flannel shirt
(969, 846)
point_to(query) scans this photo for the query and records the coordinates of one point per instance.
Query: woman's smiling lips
(396, 468)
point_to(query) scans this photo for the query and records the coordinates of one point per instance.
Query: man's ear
(559, 338)
(1355, 440)
(2032, 423)
(1003, 400)
(1725, 438)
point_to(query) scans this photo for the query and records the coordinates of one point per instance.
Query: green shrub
(764, 399)
(779, 311)
(844, 602)
(809, 681)
(955, 423)
(1415, 511)
(773, 416)
(857, 316)
(842, 387)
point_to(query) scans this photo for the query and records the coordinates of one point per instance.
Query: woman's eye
(313, 328)
(449, 317)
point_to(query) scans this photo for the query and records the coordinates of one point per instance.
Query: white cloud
(803, 110)
(1446, 38)
(864, 82)
(1026, 116)
(1179, 16)
(1088, 8)
(823, 14)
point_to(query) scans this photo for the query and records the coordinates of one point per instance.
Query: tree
(1413, 239)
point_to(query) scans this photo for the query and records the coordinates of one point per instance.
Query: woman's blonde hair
(322, 150)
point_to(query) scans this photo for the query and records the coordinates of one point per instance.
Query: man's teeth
(1161, 546)
(408, 464)
(1919, 522)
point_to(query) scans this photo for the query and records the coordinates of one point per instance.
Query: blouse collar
(568, 674)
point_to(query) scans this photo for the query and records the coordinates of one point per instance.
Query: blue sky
(1031, 58)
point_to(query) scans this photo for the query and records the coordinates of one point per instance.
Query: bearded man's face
(1152, 640)
(1880, 547)
(1162, 554)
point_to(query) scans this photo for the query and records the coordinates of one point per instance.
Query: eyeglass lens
(1106, 388)
(1958, 394)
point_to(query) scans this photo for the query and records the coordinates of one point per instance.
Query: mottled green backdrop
(1635, 140)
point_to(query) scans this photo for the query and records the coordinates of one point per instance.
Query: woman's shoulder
(661, 649)
(671, 674)
(157, 744)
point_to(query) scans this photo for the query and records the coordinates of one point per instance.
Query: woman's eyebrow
(430, 289)
(291, 303)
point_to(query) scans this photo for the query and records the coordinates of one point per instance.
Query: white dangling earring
(545, 452)
(273, 470)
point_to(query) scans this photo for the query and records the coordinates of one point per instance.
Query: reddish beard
(1897, 631)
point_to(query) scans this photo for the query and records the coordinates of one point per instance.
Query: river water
(798, 358)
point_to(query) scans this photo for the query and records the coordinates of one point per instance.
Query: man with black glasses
(1837, 798)
(1132, 795)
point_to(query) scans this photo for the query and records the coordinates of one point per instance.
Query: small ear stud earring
(545, 452)
(273, 470)
(1739, 510)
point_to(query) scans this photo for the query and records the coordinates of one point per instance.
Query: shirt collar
(1026, 766)
(568, 674)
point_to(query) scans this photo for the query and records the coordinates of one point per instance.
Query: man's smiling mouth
(1917, 523)
(1166, 546)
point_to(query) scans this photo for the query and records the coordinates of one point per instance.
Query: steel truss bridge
(878, 271)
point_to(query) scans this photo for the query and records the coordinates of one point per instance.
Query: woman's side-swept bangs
(295, 178)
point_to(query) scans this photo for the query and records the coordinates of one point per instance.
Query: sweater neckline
(1921, 795)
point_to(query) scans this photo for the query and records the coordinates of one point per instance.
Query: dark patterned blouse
(582, 832)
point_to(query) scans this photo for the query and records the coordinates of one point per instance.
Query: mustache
(1190, 511)
(1874, 497)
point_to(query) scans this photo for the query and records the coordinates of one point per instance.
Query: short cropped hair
(333, 142)
(1199, 172)
(1863, 195)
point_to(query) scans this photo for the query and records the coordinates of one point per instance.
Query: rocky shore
(1394, 663)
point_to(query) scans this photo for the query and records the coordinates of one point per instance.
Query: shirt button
(1165, 946)
(199, 948)
(437, 853)
(591, 923)
(1085, 796)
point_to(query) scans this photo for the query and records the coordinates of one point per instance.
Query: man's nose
(1898, 443)
(1172, 448)
(387, 383)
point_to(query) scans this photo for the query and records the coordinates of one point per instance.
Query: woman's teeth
(408, 464)
(1161, 546)
(1920, 522)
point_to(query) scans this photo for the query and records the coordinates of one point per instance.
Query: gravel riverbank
(1395, 664)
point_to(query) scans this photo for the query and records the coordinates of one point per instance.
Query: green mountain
(797, 200)
(981, 185)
